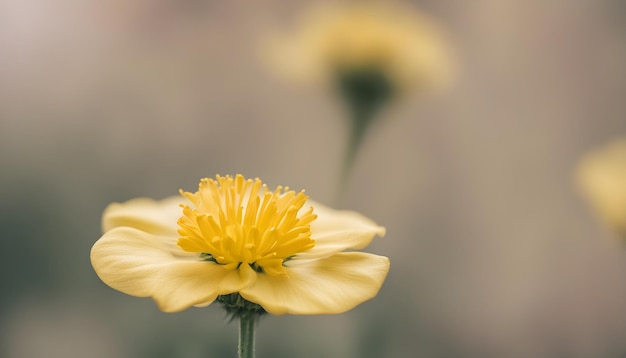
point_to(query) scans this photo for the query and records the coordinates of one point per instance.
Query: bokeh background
(493, 251)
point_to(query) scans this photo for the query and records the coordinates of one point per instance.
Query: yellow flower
(235, 236)
(602, 179)
(402, 44)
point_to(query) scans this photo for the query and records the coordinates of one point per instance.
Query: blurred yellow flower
(403, 45)
(236, 237)
(368, 52)
(602, 179)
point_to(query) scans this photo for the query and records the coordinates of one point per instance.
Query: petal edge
(328, 286)
(140, 264)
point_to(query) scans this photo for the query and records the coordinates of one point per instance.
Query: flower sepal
(366, 89)
(237, 307)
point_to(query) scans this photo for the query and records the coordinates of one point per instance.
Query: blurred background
(493, 251)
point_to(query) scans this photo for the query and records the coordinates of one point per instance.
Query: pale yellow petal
(338, 230)
(332, 285)
(152, 216)
(141, 264)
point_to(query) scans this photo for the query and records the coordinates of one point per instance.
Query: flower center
(239, 221)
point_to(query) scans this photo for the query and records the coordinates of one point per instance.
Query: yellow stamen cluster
(239, 221)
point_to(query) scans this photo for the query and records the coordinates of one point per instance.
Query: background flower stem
(246, 335)
(365, 92)
(361, 118)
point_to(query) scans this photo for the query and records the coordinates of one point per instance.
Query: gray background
(493, 251)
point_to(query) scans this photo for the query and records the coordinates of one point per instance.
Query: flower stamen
(236, 221)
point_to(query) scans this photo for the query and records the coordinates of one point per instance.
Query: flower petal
(142, 264)
(332, 285)
(152, 216)
(338, 230)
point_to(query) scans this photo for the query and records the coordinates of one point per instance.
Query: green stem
(246, 335)
(365, 91)
(362, 116)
